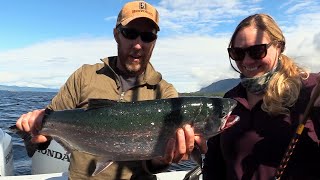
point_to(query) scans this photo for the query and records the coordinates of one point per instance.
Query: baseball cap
(138, 9)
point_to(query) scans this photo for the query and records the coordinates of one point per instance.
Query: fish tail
(30, 147)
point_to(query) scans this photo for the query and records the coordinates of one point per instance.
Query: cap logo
(142, 5)
(142, 8)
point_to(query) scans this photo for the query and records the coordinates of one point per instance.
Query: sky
(43, 42)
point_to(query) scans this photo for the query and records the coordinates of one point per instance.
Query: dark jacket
(254, 147)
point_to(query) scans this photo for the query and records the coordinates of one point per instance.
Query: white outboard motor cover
(54, 159)
(6, 154)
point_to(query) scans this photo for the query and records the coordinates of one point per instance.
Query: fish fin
(98, 103)
(100, 166)
(30, 147)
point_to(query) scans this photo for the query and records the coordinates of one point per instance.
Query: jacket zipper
(121, 97)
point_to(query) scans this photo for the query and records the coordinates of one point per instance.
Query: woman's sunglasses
(132, 34)
(256, 52)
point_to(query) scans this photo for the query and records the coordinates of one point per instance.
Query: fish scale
(126, 131)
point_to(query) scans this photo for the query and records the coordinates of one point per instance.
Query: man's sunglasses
(132, 34)
(256, 52)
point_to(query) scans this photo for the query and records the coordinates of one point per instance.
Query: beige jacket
(101, 81)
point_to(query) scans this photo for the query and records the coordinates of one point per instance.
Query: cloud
(111, 18)
(190, 52)
(316, 41)
(300, 6)
(188, 62)
(48, 64)
(198, 17)
(302, 40)
(192, 62)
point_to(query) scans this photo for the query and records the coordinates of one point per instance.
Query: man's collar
(150, 76)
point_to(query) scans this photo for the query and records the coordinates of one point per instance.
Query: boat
(53, 163)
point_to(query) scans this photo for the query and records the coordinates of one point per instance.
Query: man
(126, 77)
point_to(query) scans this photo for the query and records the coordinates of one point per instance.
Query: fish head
(218, 117)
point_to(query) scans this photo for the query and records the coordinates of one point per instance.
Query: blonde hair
(284, 87)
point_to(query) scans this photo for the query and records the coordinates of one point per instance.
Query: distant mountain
(220, 86)
(33, 89)
(216, 87)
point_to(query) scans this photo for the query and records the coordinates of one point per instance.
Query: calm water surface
(14, 104)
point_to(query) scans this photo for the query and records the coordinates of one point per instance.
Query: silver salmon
(125, 131)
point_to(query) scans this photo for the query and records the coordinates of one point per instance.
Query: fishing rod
(296, 136)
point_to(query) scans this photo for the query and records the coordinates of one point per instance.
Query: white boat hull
(54, 159)
(6, 154)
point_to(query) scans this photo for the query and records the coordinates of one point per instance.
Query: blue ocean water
(13, 104)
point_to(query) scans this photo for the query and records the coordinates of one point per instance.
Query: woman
(272, 95)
